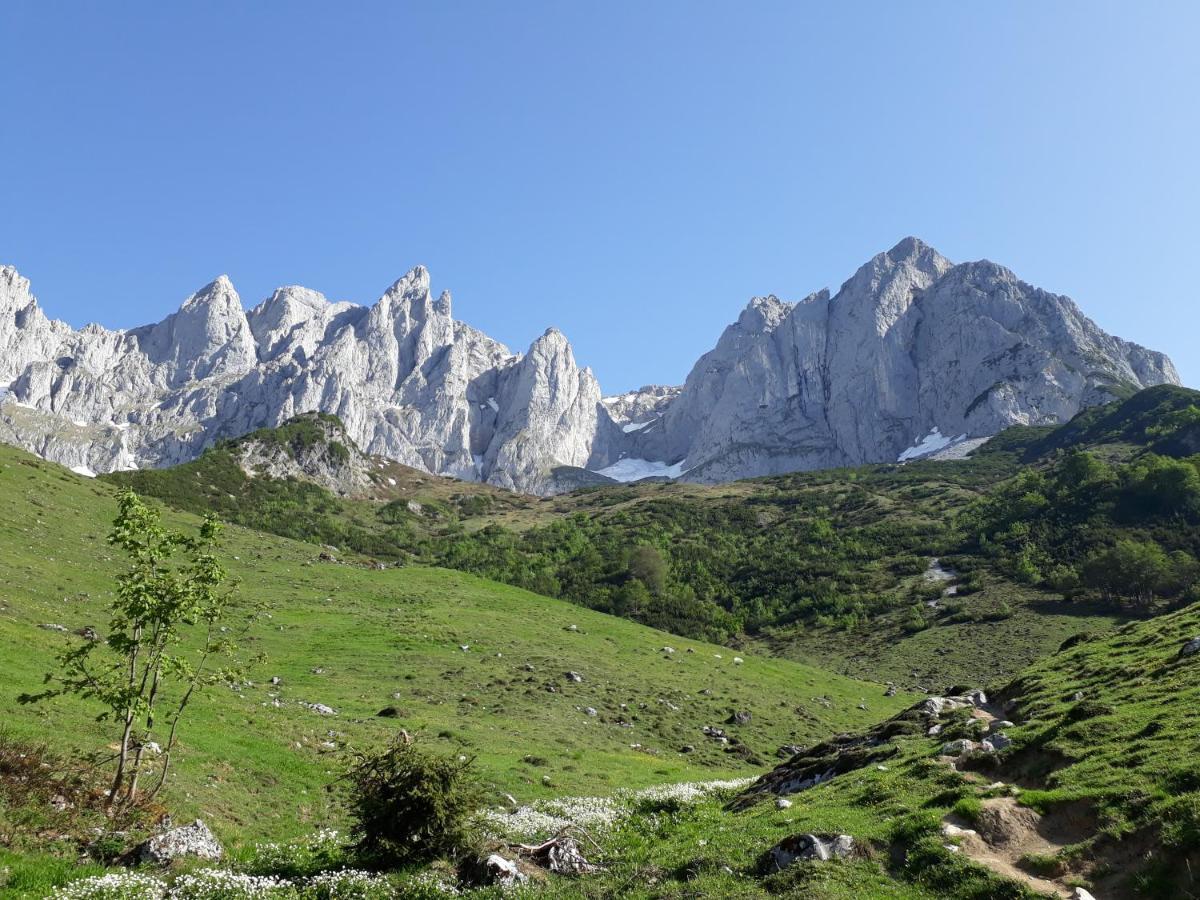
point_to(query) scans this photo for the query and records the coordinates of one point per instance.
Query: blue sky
(630, 172)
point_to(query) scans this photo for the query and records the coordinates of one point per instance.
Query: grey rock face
(409, 382)
(913, 356)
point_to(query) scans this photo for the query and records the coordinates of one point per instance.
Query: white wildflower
(547, 817)
(115, 886)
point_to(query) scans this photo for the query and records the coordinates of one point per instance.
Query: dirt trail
(1007, 832)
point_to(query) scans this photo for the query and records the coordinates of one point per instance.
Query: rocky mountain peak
(763, 313)
(209, 336)
(551, 341)
(412, 287)
(14, 288)
(911, 346)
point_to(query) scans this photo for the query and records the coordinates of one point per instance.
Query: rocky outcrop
(312, 447)
(194, 840)
(912, 356)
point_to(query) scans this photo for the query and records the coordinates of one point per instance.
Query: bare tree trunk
(123, 752)
(179, 710)
(151, 699)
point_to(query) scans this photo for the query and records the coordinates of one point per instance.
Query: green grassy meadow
(392, 638)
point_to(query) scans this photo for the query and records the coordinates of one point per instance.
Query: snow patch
(635, 469)
(491, 401)
(635, 426)
(84, 471)
(933, 442)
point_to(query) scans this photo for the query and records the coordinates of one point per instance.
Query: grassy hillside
(829, 566)
(1098, 789)
(358, 640)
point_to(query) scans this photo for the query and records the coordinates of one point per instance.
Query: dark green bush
(410, 805)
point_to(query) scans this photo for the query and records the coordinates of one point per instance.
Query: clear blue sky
(631, 172)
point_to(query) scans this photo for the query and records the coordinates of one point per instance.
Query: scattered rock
(589, 711)
(188, 840)
(53, 626)
(571, 628)
(739, 717)
(1081, 894)
(275, 679)
(782, 803)
(951, 830)
(890, 692)
(787, 751)
(320, 709)
(1191, 648)
(388, 712)
(997, 741)
(687, 748)
(88, 633)
(959, 748)
(802, 847)
(574, 677)
(737, 660)
(934, 707)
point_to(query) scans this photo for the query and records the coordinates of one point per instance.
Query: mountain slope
(836, 566)
(912, 352)
(256, 762)
(1096, 789)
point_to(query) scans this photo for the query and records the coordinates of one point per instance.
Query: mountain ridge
(909, 346)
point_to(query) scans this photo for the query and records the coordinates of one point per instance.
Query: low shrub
(411, 805)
